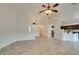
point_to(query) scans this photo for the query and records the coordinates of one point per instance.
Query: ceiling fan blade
(54, 10)
(56, 5)
(41, 11)
(44, 6)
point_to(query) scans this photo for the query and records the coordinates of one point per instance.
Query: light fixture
(35, 21)
(48, 11)
(48, 8)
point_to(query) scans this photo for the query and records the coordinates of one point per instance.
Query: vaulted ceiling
(68, 13)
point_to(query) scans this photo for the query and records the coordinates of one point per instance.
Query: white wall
(14, 24)
(7, 24)
(57, 30)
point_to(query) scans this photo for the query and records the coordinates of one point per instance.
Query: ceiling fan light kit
(48, 11)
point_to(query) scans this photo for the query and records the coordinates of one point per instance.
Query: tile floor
(41, 46)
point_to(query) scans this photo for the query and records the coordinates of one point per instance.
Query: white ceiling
(67, 12)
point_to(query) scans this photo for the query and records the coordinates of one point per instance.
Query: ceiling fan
(48, 9)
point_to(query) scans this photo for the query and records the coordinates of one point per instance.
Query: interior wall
(14, 24)
(7, 24)
(57, 30)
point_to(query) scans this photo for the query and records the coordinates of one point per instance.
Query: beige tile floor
(41, 46)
